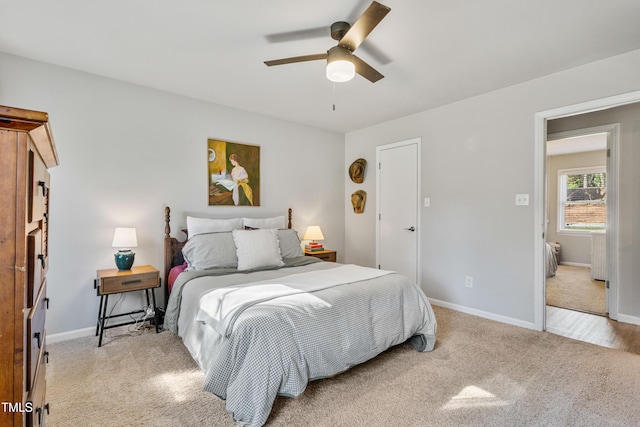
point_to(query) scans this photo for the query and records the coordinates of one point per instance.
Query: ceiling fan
(342, 64)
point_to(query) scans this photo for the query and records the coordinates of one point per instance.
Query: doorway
(613, 231)
(576, 218)
(398, 219)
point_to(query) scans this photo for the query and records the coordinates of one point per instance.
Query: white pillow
(210, 250)
(257, 249)
(275, 222)
(208, 225)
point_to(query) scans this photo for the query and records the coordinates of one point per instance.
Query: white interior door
(398, 180)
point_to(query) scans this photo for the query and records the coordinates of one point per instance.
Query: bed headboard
(173, 248)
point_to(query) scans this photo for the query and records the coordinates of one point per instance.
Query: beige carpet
(481, 373)
(573, 288)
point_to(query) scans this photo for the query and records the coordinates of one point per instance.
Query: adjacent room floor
(599, 330)
(576, 309)
(573, 288)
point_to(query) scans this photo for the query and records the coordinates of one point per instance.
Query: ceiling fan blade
(297, 59)
(364, 25)
(366, 70)
(311, 33)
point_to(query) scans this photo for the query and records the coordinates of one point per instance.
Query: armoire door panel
(35, 333)
(36, 264)
(39, 187)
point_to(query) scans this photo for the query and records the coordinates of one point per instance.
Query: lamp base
(124, 259)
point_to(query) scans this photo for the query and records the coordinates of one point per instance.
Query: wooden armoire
(27, 151)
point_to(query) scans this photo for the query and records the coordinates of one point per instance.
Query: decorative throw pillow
(253, 223)
(210, 250)
(289, 243)
(208, 225)
(257, 249)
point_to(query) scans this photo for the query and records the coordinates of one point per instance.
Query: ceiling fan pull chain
(334, 96)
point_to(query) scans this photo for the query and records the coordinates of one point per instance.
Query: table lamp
(125, 239)
(313, 233)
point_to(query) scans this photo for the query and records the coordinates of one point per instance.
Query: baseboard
(484, 314)
(65, 336)
(576, 264)
(625, 318)
(79, 333)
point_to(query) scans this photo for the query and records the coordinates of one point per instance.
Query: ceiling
(431, 52)
(577, 144)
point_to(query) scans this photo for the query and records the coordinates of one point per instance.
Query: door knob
(412, 228)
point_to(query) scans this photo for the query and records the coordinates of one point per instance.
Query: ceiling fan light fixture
(340, 67)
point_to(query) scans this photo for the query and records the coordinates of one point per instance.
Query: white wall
(127, 151)
(476, 155)
(574, 248)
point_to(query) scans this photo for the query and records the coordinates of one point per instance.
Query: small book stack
(313, 247)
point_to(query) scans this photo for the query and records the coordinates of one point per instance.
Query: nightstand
(325, 255)
(113, 281)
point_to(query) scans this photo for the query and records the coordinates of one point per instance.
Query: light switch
(427, 202)
(522, 200)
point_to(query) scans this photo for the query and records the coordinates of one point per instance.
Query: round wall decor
(357, 170)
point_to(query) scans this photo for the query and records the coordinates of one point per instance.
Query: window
(582, 204)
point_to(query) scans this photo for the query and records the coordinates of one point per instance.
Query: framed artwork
(234, 173)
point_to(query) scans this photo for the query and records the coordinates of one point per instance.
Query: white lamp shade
(341, 71)
(340, 67)
(125, 238)
(313, 233)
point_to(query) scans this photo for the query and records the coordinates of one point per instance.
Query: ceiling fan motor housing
(339, 29)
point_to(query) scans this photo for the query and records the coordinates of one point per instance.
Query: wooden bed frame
(173, 248)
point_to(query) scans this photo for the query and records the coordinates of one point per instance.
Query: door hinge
(608, 152)
(379, 217)
(378, 266)
(606, 284)
(379, 165)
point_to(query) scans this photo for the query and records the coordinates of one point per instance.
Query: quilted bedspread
(278, 345)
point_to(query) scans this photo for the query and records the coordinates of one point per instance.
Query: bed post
(167, 218)
(167, 253)
(289, 223)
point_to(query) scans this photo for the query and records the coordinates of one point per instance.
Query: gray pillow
(289, 243)
(210, 250)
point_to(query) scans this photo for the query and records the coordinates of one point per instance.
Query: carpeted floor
(481, 373)
(573, 288)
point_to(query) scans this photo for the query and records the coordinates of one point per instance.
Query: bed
(551, 258)
(258, 330)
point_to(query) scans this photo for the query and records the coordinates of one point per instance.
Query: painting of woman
(234, 173)
(241, 178)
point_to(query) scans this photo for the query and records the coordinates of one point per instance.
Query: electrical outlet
(468, 281)
(522, 200)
